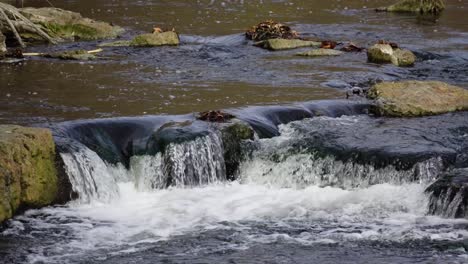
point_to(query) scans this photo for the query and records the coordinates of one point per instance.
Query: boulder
(3, 49)
(28, 176)
(380, 53)
(417, 98)
(168, 38)
(282, 44)
(403, 58)
(416, 6)
(233, 134)
(320, 52)
(385, 53)
(63, 25)
(448, 196)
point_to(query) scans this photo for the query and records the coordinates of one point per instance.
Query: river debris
(434, 7)
(328, 44)
(69, 54)
(215, 116)
(270, 29)
(351, 47)
(320, 52)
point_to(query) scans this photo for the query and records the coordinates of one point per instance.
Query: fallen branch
(13, 29)
(47, 54)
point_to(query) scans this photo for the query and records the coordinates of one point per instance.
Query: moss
(418, 6)
(119, 43)
(28, 177)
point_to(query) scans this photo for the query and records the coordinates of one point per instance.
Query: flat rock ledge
(29, 177)
(417, 98)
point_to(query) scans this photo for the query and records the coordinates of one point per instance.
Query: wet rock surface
(449, 194)
(385, 53)
(382, 142)
(417, 98)
(2, 44)
(284, 44)
(320, 52)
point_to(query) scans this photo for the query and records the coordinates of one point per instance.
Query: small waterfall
(190, 163)
(196, 162)
(302, 170)
(90, 176)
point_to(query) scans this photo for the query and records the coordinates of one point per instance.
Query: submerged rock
(320, 52)
(28, 176)
(416, 6)
(119, 43)
(63, 25)
(72, 55)
(385, 53)
(282, 44)
(417, 98)
(449, 194)
(168, 38)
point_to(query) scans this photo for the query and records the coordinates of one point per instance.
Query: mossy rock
(417, 6)
(233, 134)
(66, 25)
(380, 53)
(403, 58)
(283, 44)
(28, 176)
(320, 52)
(168, 38)
(119, 43)
(417, 98)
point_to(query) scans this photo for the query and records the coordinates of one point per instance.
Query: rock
(215, 116)
(417, 98)
(282, 44)
(385, 53)
(3, 49)
(72, 55)
(28, 176)
(65, 25)
(403, 58)
(448, 196)
(119, 43)
(380, 53)
(320, 52)
(233, 134)
(416, 6)
(168, 38)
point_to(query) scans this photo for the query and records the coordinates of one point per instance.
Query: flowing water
(287, 204)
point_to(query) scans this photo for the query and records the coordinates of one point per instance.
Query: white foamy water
(331, 215)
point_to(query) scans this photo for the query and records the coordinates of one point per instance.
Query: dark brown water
(215, 67)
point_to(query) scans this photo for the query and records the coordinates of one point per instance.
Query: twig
(17, 36)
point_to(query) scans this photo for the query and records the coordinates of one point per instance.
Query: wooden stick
(44, 54)
(17, 36)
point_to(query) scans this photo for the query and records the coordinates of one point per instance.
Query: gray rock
(403, 58)
(282, 44)
(380, 53)
(2, 44)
